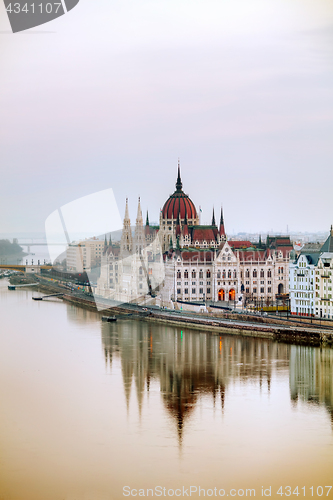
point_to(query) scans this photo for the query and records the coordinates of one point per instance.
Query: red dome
(179, 204)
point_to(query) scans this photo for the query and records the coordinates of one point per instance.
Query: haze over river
(88, 408)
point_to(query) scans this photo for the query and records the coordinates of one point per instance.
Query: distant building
(84, 255)
(324, 302)
(301, 283)
(310, 280)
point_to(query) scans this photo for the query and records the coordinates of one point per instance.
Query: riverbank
(214, 323)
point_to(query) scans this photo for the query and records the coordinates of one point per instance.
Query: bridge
(26, 268)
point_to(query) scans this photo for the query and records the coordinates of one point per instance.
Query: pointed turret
(222, 230)
(179, 183)
(110, 241)
(147, 228)
(328, 245)
(178, 230)
(126, 236)
(105, 243)
(126, 211)
(213, 218)
(139, 219)
(185, 227)
(139, 231)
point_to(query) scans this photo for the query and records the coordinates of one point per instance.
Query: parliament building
(183, 261)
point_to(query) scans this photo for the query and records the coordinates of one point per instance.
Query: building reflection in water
(311, 376)
(188, 364)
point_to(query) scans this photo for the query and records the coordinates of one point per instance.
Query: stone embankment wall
(214, 323)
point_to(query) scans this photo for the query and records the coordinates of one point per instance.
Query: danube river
(96, 411)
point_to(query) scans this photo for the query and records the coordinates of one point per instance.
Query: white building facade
(310, 282)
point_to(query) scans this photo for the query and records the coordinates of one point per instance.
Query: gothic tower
(126, 242)
(139, 235)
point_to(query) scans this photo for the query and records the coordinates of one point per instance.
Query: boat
(109, 319)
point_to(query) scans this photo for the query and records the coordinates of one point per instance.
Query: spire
(110, 241)
(126, 210)
(126, 241)
(179, 184)
(222, 230)
(185, 228)
(105, 242)
(139, 214)
(331, 230)
(147, 219)
(139, 237)
(178, 230)
(213, 219)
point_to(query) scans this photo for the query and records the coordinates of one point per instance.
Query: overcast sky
(112, 93)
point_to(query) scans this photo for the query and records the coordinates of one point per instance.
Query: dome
(179, 203)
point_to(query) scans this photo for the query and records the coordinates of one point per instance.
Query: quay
(278, 329)
(214, 325)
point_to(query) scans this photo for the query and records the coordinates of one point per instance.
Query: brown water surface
(88, 408)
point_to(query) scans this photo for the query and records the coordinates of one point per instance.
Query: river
(96, 411)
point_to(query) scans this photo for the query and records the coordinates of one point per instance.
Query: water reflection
(188, 364)
(311, 376)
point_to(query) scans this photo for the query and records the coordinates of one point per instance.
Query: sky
(114, 92)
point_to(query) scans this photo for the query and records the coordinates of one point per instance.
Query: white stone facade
(310, 276)
(301, 285)
(226, 275)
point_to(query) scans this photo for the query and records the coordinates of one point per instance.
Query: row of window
(194, 291)
(262, 290)
(262, 273)
(229, 273)
(220, 275)
(193, 274)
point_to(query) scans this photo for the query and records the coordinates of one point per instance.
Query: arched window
(281, 270)
(218, 275)
(194, 274)
(269, 273)
(186, 273)
(235, 274)
(254, 273)
(179, 274)
(262, 273)
(200, 274)
(223, 273)
(208, 274)
(247, 273)
(229, 274)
